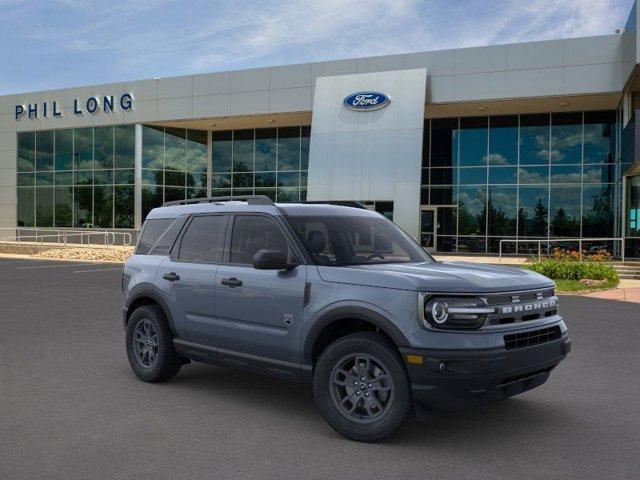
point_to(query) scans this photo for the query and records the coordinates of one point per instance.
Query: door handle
(231, 282)
(172, 277)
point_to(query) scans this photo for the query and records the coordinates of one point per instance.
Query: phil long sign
(91, 105)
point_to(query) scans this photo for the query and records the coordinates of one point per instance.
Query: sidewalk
(627, 291)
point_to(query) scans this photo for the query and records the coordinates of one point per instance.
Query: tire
(388, 403)
(159, 362)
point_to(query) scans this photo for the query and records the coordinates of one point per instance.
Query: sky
(48, 44)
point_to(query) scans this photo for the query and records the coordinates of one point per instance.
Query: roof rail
(342, 203)
(250, 199)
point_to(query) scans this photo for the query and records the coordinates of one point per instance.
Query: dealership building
(462, 148)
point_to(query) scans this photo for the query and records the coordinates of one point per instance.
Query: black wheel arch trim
(147, 290)
(356, 313)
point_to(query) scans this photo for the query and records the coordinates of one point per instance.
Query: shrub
(574, 270)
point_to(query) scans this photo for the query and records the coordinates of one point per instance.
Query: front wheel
(150, 345)
(361, 387)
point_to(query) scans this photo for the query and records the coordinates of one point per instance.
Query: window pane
(64, 178)
(102, 177)
(243, 150)
(220, 181)
(44, 179)
(472, 211)
(175, 149)
(288, 195)
(196, 193)
(26, 202)
(103, 147)
(84, 177)
(503, 140)
(124, 206)
(197, 151)
(26, 151)
(221, 151)
(197, 179)
(204, 239)
(534, 174)
(152, 147)
(473, 176)
(64, 150)
(83, 148)
(442, 196)
(571, 174)
(174, 193)
(533, 213)
(152, 177)
(288, 179)
(443, 176)
(266, 179)
(44, 150)
(473, 141)
(103, 207)
(566, 138)
(304, 147)
(125, 151)
(124, 176)
(269, 192)
(534, 139)
(83, 205)
(502, 210)
(253, 233)
(266, 149)
(605, 173)
(599, 141)
(503, 175)
(289, 148)
(243, 180)
(443, 142)
(597, 211)
(26, 179)
(64, 206)
(177, 179)
(565, 211)
(151, 198)
(44, 207)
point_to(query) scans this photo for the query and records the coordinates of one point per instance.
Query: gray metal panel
(384, 63)
(480, 85)
(246, 103)
(290, 100)
(249, 80)
(211, 83)
(291, 76)
(590, 50)
(535, 55)
(480, 59)
(542, 81)
(437, 63)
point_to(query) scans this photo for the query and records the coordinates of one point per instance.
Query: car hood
(455, 277)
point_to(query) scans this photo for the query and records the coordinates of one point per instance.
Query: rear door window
(168, 238)
(203, 240)
(151, 232)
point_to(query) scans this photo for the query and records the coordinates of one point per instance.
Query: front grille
(522, 306)
(535, 337)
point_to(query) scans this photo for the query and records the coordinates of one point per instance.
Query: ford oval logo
(366, 101)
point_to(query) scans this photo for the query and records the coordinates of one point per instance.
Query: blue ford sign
(366, 101)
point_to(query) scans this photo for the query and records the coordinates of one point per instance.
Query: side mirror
(272, 260)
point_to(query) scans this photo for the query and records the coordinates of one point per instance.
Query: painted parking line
(98, 270)
(65, 265)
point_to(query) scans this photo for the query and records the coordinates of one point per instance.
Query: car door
(187, 277)
(259, 312)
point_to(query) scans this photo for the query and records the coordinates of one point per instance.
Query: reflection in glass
(26, 206)
(152, 147)
(175, 150)
(534, 139)
(503, 140)
(473, 176)
(597, 211)
(473, 141)
(566, 138)
(44, 207)
(502, 210)
(125, 148)
(289, 148)
(103, 207)
(103, 147)
(503, 175)
(123, 206)
(243, 150)
(44, 150)
(82, 148)
(221, 146)
(444, 144)
(63, 149)
(599, 140)
(472, 210)
(533, 175)
(565, 211)
(63, 207)
(83, 206)
(26, 151)
(566, 174)
(305, 132)
(533, 212)
(197, 151)
(266, 145)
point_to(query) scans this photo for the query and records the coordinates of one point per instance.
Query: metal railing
(76, 238)
(548, 241)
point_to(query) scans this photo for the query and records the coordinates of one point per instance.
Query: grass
(574, 286)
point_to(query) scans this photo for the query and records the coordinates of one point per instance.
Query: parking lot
(71, 408)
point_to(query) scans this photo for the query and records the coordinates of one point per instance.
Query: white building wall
(369, 155)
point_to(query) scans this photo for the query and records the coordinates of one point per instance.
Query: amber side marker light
(415, 359)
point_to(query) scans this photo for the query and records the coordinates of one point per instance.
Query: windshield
(359, 240)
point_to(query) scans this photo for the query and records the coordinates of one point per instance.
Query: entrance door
(428, 222)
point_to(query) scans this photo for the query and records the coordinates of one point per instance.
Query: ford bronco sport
(339, 296)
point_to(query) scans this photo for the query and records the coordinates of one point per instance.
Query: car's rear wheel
(362, 388)
(150, 345)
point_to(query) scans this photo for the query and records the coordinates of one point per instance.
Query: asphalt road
(71, 408)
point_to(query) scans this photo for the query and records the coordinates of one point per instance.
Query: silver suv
(338, 296)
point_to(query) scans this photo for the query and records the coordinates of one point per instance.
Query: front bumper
(451, 379)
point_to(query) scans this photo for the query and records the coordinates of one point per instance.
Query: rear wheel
(150, 345)
(362, 388)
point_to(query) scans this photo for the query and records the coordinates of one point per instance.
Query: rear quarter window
(151, 232)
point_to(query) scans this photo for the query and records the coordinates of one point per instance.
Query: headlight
(452, 312)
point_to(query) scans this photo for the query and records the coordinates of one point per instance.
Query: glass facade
(81, 177)
(265, 161)
(174, 165)
(521, 177)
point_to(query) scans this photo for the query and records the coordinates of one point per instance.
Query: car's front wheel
(362, 388)
(150, 345)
